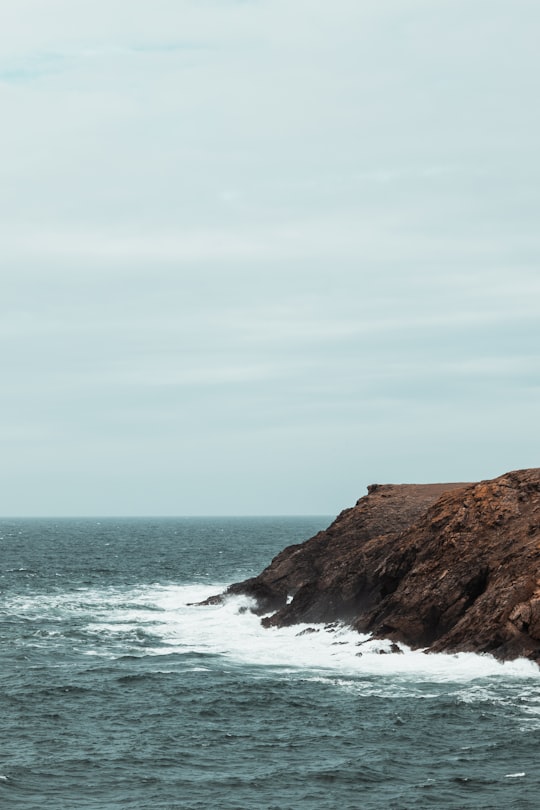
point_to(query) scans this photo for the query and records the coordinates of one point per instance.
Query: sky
(258, 254)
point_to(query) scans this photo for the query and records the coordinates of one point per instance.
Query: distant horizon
(247, 515)
(159, 517)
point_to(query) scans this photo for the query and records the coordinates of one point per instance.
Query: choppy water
(116, 692)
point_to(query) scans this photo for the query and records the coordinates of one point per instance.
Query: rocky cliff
(448, 567)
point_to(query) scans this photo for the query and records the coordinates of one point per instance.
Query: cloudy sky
(258, 254)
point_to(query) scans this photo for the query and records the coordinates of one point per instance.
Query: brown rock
(448, 567)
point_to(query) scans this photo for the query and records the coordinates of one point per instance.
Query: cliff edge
(447, 567)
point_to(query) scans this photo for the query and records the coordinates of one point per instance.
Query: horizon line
(165, 516)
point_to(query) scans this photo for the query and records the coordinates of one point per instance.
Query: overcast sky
(257, 255)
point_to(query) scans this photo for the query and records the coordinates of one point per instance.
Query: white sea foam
(171, 616)
(233, 631)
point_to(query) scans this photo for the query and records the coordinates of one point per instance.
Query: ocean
(117, 691)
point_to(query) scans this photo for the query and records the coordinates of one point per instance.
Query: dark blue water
(118, 692)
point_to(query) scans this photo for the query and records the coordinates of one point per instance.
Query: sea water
(119, 691)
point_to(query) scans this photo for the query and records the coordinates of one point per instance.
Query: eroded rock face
(449, 567)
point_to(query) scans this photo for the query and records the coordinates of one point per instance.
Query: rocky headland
(445, 567)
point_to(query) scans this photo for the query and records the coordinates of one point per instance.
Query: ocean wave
(164, 620)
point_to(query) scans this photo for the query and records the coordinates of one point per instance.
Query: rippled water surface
(118, 692)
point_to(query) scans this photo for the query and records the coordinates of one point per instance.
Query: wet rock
(447, 567)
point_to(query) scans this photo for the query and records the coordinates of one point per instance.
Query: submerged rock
(447, 567)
